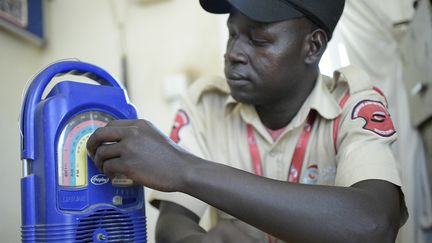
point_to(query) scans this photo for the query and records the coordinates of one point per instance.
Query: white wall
(18, 61)
(165, 39)
(162, 39)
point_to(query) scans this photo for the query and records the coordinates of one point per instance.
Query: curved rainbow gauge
(72, 153)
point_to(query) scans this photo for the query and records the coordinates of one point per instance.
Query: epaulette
(355, 78)
(207, 84)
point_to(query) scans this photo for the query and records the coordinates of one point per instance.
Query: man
(284, 154)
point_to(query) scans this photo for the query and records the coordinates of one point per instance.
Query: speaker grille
(109, 225)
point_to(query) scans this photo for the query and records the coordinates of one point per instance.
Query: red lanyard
(299, 152)
(298, 156)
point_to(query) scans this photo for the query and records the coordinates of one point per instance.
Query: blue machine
(64, 197)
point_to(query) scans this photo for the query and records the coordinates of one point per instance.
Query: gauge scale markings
(72, 151)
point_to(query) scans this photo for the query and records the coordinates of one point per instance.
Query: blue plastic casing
(55, 213)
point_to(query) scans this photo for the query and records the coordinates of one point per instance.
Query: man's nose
(235, 52)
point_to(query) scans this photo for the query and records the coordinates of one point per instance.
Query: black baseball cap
(324, 13)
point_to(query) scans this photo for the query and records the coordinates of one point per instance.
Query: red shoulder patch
(376, 116)
(181, 120)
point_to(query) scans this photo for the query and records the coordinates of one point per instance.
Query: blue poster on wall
(23, 17)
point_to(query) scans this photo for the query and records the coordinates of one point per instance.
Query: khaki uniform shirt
(212, 125)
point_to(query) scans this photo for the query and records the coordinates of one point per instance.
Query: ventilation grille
(103, 226)
(109, 225)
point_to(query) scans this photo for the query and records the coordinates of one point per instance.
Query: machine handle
(40, 82)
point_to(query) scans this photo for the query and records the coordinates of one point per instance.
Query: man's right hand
(139, 151)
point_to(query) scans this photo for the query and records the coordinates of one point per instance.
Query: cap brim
(258, 10)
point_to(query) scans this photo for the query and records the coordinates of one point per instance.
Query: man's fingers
(106, 152)
(104, 135)
(122, 123)
(113, 167)
(114, 131)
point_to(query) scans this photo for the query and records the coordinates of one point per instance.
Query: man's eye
(258, 42)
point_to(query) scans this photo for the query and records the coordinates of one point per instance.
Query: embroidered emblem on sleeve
(181, 120)
(376, 116)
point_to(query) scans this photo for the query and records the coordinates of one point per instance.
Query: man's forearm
(177, 225)
(293, 212)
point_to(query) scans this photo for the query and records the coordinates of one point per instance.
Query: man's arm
(366, 212)
(177, 224)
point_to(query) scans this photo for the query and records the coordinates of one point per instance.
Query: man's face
(264, 63)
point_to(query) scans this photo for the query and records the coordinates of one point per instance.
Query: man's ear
(316, 43)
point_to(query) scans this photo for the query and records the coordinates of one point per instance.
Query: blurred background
(158, 47)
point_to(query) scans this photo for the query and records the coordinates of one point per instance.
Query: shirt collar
(320, 100)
